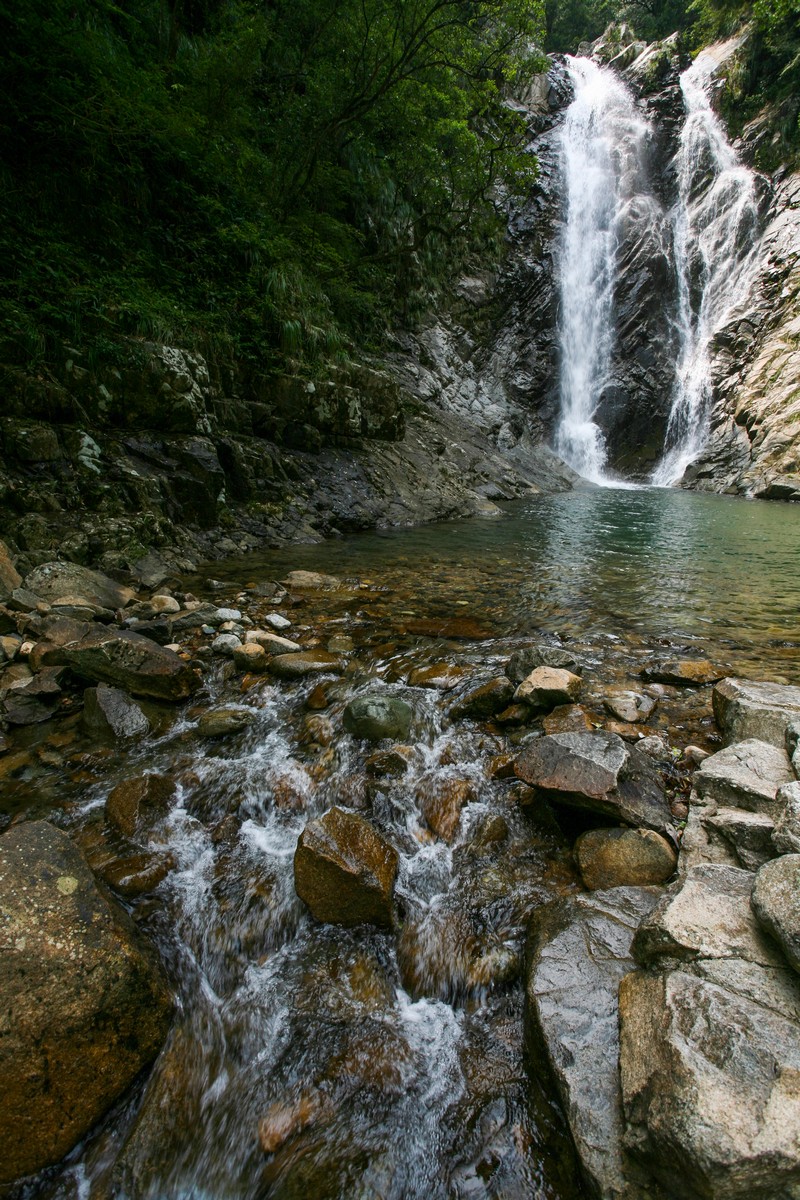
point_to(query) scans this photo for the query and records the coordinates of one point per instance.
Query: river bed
(311, 1061)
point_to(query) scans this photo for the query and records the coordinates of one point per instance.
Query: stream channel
(383, 1064)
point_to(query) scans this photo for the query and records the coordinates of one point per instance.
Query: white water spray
(603, 145)
(715, 225)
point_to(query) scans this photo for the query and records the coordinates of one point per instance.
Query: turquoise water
(710, 573)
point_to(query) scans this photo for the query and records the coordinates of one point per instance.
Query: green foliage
(264, 178)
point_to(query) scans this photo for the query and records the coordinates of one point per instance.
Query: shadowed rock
(136, 664)
(776, 903)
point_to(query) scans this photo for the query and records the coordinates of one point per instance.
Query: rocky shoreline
(665, 1012)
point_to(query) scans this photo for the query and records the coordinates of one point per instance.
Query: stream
(313, 1061)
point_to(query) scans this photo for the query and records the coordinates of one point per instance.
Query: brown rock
(389, 763)
(486, 700)
(10, 577)
(317, 699)
(442, 801)
(135, 804)
(345, 871)
(250, 657)
(301, 581)
(285, 1119)
(442, 676)
(611, 858)
(85, 1007)
(306, 662)
(683, 672)
(567, 718)
(547, 687)
(137, 873)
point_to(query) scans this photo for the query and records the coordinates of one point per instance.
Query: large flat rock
(599, 772)
(746, 708)
(134, 663)
(580, 951)
(55, 580)
(83, 1005)
(710, 1088)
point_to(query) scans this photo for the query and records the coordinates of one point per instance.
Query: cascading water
(715, 236)
(603, 157)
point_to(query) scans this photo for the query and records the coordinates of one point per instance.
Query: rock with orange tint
(442, 801)
(286, 1118)
(345, 871)
(134, 805)
(442, 676)
(566, 718)
(548, 687)
(486, 700)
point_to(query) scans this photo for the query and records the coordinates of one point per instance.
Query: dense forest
(280, 182)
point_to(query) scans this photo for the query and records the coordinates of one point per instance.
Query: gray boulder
(746, 775)
(522, 662)
(84, 1004)
(376, 717)
(786, 836)
(706, 915)
(599, 772)
(709, 1088)
(580, 950)
(749, 834)
(110, 712)
(746, 708)
(776, 903)
(53, 580)
(136, 664)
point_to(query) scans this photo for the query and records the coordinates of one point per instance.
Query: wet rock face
(377, 717)
(345, 871)
(110, 712)
(84, 1007)
(132, 662)
(580, 952)
(596, 771)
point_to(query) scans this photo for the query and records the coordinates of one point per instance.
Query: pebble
(277, 621)
(225, 644)
(227, 614)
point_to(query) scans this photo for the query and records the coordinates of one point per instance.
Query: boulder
(745, 708)
(221, 722)
(306, 662)
(709, 1088)
(749, 834)
(579, 952)
(776, 903)
(548, 687)
(376, 717)
(599, 772)
(484, 701)
(110, 712)
(84, 1005)
(786, 836)
(746, 775)
(136, 804)
(706, 915)
(628, 706)
(441, 803)
(133, 663)
(311, 581)
(345, 871)
(53, 580)
(682, 673)
(610, 858)
(10, 577)
(523, 661)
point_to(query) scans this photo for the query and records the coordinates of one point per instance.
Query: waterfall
(602, 150)
(715, 224)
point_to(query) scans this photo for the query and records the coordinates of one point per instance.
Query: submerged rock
(345, 871)
(682, 673)
(306, 662)
(108, 711)
(377, 717)
(745, 708)
(85, 1007)
(580, 951)
(776, 903)
(597, 771)
(221, 722)
(442, 801)
(135, 804)
(610, 858)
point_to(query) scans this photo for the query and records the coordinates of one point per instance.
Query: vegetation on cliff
(263, 179)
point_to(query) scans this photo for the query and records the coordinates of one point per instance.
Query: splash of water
(603, 159)
(715, 223)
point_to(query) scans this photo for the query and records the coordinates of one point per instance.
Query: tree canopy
(269, 177)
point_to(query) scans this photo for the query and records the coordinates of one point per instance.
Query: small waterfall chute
(715, 222)
(603, 149)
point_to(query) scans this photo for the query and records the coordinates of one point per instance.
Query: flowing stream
(716, 223)
(603, 156)
(308, 1060)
